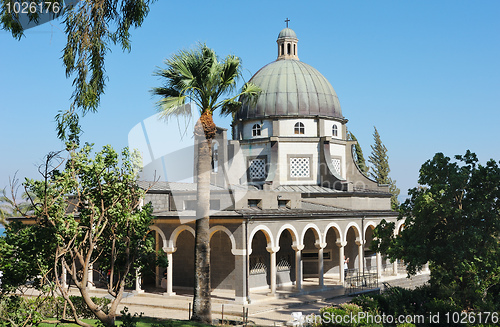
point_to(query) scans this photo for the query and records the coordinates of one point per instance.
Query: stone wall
(160, 202)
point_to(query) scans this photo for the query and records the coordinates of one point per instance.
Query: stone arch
(177, 231)
(267, 233)
(223, 229)
(182, 244)
(356, 230)
(162, 235)
(369, 256)
(286, 239)
(333, 238)
(400, 225)
(293, 232)
(222, 262)
(369, 224)
(353, 242)
(316, 231)
(310, 240)
(336, 229)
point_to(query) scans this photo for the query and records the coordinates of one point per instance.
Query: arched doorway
(351, 250)
(310, 253)
(333, 263)
(259, 262)
(285, 259)
(221, 262)
(183, 260)
(370, 257)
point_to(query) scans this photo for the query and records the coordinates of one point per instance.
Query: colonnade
(168, 245)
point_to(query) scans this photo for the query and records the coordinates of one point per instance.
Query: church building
(288, 200)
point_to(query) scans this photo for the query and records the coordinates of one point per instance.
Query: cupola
(287, 44)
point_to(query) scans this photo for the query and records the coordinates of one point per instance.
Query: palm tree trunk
(202, 306)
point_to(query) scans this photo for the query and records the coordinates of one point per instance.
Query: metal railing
(357, 282)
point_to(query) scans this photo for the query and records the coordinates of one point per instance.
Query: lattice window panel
(300, 167)
(257, 169)
(336, 165)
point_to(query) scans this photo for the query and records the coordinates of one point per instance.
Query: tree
(9, 207)
(360, 159)
(88, 214)
(452, 221)
(201, 77)
(380, 168)
(91, 26)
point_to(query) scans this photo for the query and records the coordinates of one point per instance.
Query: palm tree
(200, 77)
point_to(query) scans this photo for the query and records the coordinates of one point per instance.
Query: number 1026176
(472, 317)
(32, 7)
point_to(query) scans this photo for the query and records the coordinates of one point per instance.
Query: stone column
(321, 272)
(341, 246)
(170, 272)
(159, 275)
(379, 265)
(240, 278)
(298, 265)
(395, 268)
(138, 282)
(360, 256)
(272, 251)
(90, 277)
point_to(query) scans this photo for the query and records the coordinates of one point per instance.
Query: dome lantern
(287, 43)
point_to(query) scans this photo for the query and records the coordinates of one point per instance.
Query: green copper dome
(287, 32)
(291, 88)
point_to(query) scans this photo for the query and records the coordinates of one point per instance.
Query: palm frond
(229, 107)
(249, 93)
(173, 106)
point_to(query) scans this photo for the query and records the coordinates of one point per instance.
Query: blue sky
(425, 73)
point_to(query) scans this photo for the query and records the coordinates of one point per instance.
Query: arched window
(282, 48)
(335, 130)
(299, 128)
(215, 157)
(256, 130)
(288, 48)
(294, 50)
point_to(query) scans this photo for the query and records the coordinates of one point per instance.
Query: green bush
(366, 302)
(19, 309)
(15, 310)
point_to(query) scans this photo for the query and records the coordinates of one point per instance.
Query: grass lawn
(142, 322)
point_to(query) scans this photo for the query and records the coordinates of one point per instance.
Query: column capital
(298, 247)
(239, 251)
(271, 249)
(341, 244)
(169, 250)
(320, 245)
(362, 242)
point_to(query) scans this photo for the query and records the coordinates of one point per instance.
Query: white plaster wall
(297, 148)
(337, 150)
(254, 150)
(266, 129)
(236, 168)
(286, 127)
